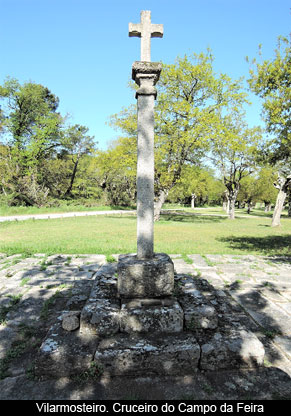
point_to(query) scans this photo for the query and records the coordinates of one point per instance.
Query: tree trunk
(232, 200)
(228, 206)
(69, 190)
(278, 208)
(225, 203)
(3, 190)
(231, 215)
(282, 185)
(268, 206)
(289, 202)
(159, 203)
(193, 196)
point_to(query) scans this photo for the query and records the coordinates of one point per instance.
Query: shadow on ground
(271, 323)
(192, 218)
(266, 383)
(269, 245)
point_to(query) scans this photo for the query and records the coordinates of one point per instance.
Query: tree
(77, 144)
(42, 154)
(235, 151)
(190, 98)
(32, 120)
(195, 184)
(116, 172)
(248, 192)
(271, 81)
(265, 185)
(282, 184)
(34, 130)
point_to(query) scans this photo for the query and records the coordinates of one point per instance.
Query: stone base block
(237, 348)
(132, 356)
(100, 317)
(148, 278)
(151, 315)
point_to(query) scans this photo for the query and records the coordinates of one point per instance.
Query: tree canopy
(271, 80)
(191, 99)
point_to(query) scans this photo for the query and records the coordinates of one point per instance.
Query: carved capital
(146, 75)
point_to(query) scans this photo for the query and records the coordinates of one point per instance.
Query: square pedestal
(145, 278)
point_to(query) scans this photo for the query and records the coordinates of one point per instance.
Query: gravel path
(62, 215)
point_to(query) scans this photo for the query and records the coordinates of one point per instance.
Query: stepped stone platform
(225, 299)
(194, 328)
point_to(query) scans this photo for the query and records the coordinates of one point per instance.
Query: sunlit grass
(174, 234)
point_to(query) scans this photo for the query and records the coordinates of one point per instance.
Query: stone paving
(35, 289)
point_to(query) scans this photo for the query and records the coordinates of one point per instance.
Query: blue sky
(81, 51)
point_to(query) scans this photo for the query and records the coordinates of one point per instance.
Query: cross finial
(145, 30)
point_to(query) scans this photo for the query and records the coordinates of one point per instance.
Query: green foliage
(32, 121)
(236, 152)
(265, 185)
(196, 185)
(271, 80)
(116, 172)
(248, 191)
(191, 99)
(42, 157)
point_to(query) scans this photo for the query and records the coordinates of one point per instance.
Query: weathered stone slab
(100, 317)
(204, 316)
(182, 267)
(198, 310)
(264, 311)
(7, 336)
(284, 343)
(238, 348)
(106, 281)
(198, 261)
(151, 315)
(145, 278)
(167, 355)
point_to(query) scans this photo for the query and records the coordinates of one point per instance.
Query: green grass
(174, 234)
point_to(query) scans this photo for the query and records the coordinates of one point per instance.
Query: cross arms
(145, 30)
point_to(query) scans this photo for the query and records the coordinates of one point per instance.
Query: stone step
(179, 354)
(71, 352)
(130, 356)
(106, 317)
(151, 315)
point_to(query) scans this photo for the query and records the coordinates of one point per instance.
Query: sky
(81, 51)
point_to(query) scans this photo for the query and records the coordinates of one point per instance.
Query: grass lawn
(174, 234)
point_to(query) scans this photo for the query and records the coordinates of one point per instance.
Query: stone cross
(145, 30)
(145, 74)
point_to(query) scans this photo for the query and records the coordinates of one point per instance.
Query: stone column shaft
(145, 176)
(145, 74)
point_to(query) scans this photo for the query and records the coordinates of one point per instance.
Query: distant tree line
(199, 122)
